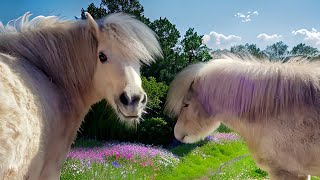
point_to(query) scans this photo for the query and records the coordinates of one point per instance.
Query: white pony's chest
(25, 107)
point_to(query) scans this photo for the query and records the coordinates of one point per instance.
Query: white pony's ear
(94, 28)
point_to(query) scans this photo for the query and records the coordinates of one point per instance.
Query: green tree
(164, 69)
(193, 48)
(251, 49)
(128, 6)
(96, 12)
(277, 50)
(304, 50)
(132, 7)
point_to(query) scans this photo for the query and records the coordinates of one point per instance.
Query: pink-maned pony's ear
(191, 91)
(94, 28)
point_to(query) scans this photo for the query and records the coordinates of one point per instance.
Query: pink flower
(129, 156)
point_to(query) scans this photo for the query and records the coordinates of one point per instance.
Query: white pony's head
(89, 59)
(123, 44)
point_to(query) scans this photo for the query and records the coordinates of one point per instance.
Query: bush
(224, 129)
(154, 131)
(156, 92)
(102, 123)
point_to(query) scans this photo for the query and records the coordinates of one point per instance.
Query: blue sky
(224, 23)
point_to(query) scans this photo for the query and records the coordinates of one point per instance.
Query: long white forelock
(137, 39)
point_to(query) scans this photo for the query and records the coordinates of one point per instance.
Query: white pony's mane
(23, 24)
(134, 39)
(249, 87)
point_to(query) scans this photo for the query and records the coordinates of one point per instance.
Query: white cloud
(311, 38)
(1, 25)
(246, 17)
(216, 40)
(266, 37)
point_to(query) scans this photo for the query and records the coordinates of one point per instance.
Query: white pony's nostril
(127, 100)
(135, 99)
(144, 100)
(124, 99)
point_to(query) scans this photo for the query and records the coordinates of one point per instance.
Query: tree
(251, 49)
(96, 12)
(193, 48)
(277, 50)
(128, 6)
(164, 69)
(304, 50)
(132, 7)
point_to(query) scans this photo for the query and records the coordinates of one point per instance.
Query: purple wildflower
(115, 164)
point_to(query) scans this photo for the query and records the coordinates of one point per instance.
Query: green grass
(200, 161)
(244, 168)
(204, 160)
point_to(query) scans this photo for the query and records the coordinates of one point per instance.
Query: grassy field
(221, 156)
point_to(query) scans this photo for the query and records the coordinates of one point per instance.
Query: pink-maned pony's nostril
(181, 138)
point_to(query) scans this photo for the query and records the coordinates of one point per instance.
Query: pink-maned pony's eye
(103, 58)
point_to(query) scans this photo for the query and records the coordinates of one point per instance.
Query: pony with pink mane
(274, 106)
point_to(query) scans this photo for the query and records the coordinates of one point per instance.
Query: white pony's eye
(185, 105)
(103, 58)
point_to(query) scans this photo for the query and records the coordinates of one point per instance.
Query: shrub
(154, 131)
(102, 123)
(156, 92)
(224, 129)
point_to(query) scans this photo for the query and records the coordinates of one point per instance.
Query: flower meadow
(116, 160)
(218, 137)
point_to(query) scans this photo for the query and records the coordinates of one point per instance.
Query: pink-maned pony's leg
(285, 175)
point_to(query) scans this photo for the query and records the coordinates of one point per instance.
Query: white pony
(52, 70)
(274, 106)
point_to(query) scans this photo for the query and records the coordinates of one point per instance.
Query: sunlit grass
(219, 157)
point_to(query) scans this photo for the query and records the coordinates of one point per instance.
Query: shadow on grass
(87, 143)
(181, 149)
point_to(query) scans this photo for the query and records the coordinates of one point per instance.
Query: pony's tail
(179, 87)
